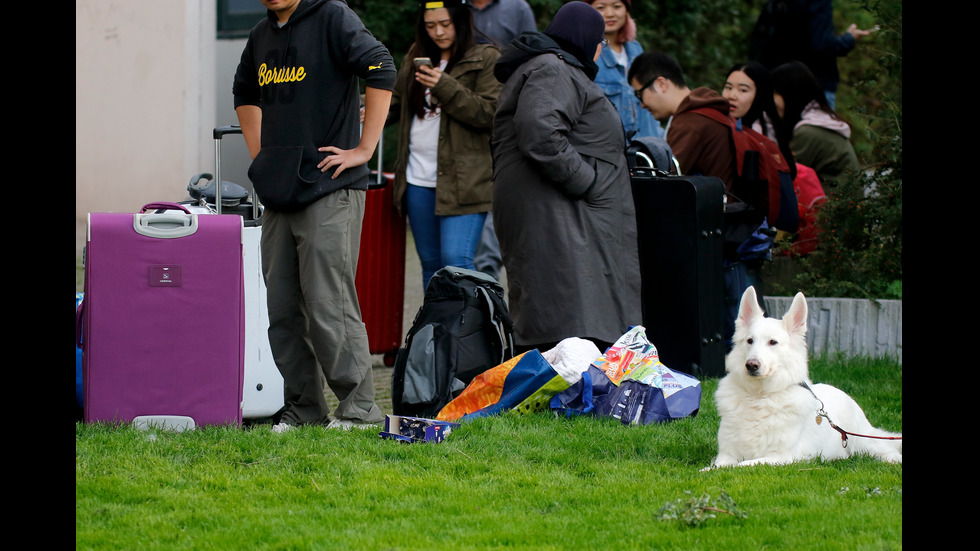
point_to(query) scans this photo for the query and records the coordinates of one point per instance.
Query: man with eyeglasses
(700, 145)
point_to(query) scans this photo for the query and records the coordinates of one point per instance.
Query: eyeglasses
(639, 93)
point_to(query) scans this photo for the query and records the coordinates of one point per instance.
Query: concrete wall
(234, 154)
(849, 326)
(144, 101)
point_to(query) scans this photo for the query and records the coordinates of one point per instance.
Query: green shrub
(860, 250)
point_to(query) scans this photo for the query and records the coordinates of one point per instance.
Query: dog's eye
(773, 342)
(749, 341)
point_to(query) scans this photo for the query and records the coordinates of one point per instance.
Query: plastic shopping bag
(526, 383)
(630, 383)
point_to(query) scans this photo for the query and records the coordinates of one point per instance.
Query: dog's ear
(748, 308)
(795, 318)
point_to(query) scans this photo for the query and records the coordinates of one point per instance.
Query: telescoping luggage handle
(218, 134)
(379, 177)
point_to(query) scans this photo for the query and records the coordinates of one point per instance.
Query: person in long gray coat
(562, 202)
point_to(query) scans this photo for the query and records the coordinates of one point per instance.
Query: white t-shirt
(621, 58)
(423, 143)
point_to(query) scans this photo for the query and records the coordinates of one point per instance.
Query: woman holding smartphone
(445, 98)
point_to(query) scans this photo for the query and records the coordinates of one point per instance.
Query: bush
(860, 249)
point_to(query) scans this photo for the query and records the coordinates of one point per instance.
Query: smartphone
(420, 61)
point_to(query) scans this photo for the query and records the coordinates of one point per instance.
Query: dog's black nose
(752, 366)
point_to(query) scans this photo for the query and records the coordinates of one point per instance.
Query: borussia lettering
(274, 75)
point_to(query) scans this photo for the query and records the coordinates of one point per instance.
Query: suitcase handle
(166, 225)
(164, 206)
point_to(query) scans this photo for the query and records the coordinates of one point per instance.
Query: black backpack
(462, 329)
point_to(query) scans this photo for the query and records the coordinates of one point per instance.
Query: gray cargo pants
(309, 259)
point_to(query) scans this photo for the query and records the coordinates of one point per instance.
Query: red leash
(843, 433)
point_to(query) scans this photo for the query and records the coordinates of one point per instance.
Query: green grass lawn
(531, 482)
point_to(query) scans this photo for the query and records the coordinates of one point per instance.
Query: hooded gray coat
(562, 204)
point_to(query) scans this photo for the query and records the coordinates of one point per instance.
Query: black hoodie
(304, 76)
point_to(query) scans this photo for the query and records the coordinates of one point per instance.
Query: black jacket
(562, 203)
(304, 76)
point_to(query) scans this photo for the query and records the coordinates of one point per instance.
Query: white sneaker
(347, 424)
(281, 427)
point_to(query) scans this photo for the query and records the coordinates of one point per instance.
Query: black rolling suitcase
(679, 226)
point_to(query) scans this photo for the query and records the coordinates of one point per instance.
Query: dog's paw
(772, 460)
(722, 460)
(893, 458)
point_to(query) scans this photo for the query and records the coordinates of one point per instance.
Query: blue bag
(648, 391)
(79, 396)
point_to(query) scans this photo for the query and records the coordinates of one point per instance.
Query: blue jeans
(831, 97)
(738, 276)
(441, 240)
(487, 258)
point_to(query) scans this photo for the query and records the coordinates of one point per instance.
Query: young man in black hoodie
(298, 102)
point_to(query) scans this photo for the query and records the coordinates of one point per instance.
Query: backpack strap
(777, 199)
(491, 307)
(737, 145)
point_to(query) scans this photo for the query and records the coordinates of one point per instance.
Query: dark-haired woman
(808, 126)
(445, 107)
(748, 89)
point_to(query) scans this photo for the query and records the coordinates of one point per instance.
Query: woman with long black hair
(748, 89)
(444, 98)
(808, 126)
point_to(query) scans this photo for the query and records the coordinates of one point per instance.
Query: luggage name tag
(168, 275)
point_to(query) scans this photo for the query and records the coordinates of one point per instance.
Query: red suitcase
(163, 318)
(380, 277)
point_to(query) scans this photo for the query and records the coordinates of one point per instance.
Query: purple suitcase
(163, 321)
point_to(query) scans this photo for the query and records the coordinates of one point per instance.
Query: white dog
(770, 411)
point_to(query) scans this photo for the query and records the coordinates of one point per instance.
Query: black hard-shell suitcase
(679, 227)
